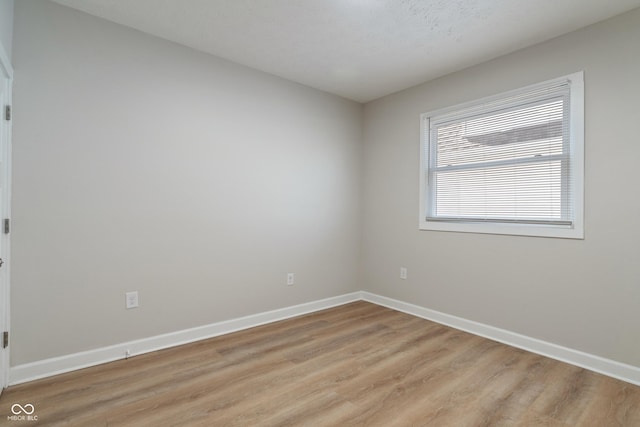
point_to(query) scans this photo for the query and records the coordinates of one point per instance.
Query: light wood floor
(358, 364)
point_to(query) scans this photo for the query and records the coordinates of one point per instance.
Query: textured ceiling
(358, 49)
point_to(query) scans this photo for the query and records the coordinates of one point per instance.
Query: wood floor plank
(354, 365)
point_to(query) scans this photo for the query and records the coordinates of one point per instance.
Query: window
(508, 164)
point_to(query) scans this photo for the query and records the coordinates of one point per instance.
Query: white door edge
(6, 80)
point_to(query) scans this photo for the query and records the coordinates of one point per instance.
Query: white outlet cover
(131, 299)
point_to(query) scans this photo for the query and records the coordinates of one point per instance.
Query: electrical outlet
(291, 279)
(131, 299)
(403, 273)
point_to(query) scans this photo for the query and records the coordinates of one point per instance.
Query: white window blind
(505, 160)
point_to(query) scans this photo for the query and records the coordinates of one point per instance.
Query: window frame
(576, 155)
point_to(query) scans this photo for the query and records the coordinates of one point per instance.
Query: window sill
(563, 232)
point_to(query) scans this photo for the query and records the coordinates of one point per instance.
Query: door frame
(6, 79)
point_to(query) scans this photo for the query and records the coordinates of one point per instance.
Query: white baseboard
(611, 368)
(58, 365)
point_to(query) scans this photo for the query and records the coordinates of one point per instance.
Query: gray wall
(582, 294)
(6, 26)
(140, 164)
(143, 165)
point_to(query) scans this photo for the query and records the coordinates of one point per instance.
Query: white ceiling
(358, 49)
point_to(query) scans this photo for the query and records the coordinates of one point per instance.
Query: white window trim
(576, 126)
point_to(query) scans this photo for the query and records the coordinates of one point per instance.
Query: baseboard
(58, 365)
(611, 368)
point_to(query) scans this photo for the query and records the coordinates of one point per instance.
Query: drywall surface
(143, 165)
(6, 26)
(582, 294)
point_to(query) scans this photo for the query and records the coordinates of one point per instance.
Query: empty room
(319, 213)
